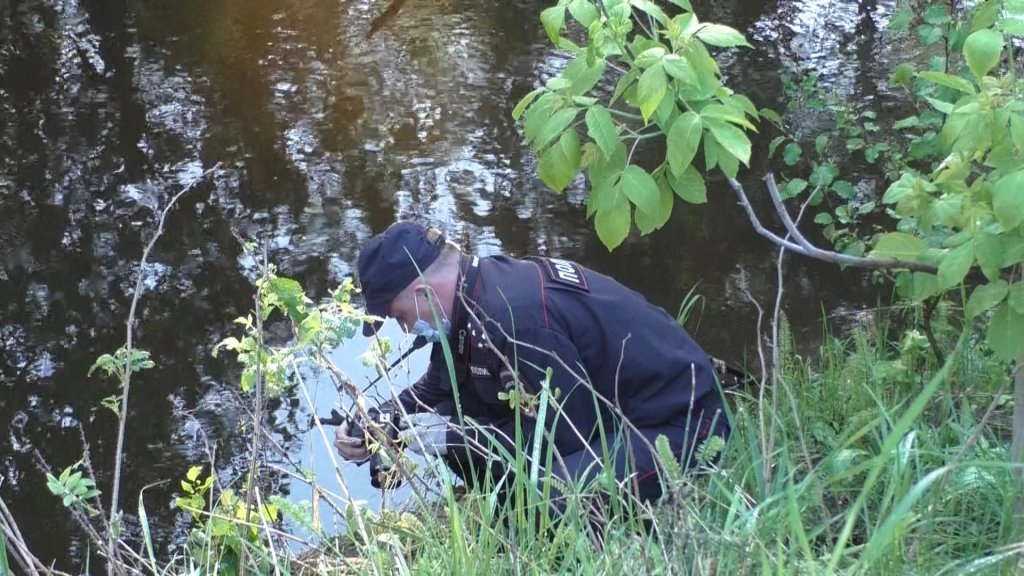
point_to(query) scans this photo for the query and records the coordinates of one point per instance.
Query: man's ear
(426, 290)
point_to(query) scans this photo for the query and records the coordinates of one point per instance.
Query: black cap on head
(390, 262)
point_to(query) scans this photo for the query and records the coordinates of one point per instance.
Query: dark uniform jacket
(592, 332)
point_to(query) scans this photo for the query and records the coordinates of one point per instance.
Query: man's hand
(425, 433)
(351, 448)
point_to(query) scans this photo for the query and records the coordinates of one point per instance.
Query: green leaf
(651, 90)
(1017, 131)
(606, 171)
(908, 122)
(684, 4)
(791, 154)
(772, 116)
(602, 129)
(823, 218)
(1016, 297)
(729, 164)
(640, 188)
(584, 12)
(649, 222)
(988, 249)
(985, 15)
(948, 80)
(844, 189)
(823, 175)
(1008, 200)
(899, 245)
(955, 265)
(651, 9)
(555, 126)
(293, 299)
(553, 19)
(902, 75)
(936, 14)
(583, 75)
(741, 103)
(712, 149)
(538, 114)
(649, 57)
(525, 102)
(982, 49)
(1012, 26)
(721, 36)
(925, 286)
(557, 83)
(793, 188)
(929, 34)
(940, 105)
(689, 186)
(985, 297)
(726, 113)
(732, 139)
(901, 19)
(560, 163)
(624, 84)
(193, 473)
(706, 70)
(613, 218)
(1004, 335)
(678, 67)
(683, 140)
(821, 144)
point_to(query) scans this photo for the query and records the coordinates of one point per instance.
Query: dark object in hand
(335, 419)
(384, 475)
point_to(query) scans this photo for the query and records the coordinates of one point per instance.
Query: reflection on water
(109, 107)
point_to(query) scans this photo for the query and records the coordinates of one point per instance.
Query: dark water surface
(108, 107)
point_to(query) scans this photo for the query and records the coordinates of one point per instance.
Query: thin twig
(126, 381)
(777, 379)
(979, 429)
(767, 443)
(16, 543)
(349, 385)
(254, 449)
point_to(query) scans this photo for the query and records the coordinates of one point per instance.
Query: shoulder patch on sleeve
(565, 273)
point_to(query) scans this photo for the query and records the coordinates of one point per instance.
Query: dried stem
(112, 549)
(257, 428)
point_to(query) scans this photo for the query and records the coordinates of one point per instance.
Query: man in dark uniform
(622, 371)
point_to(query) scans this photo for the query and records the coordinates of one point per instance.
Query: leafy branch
(115, 511)
(800, 245)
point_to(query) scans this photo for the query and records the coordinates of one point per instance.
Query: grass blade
(896, 435)
(147, 534)
(886, 535)
(5, 567)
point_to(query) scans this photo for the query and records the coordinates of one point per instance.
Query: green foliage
(966, 208)
(317, 327)
(690, 303)
(73, 488)
(5, 566)
(117, 364)
(227, 527)
(669, 89)
(954, 166)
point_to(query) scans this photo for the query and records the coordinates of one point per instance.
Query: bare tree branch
(804, 248)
